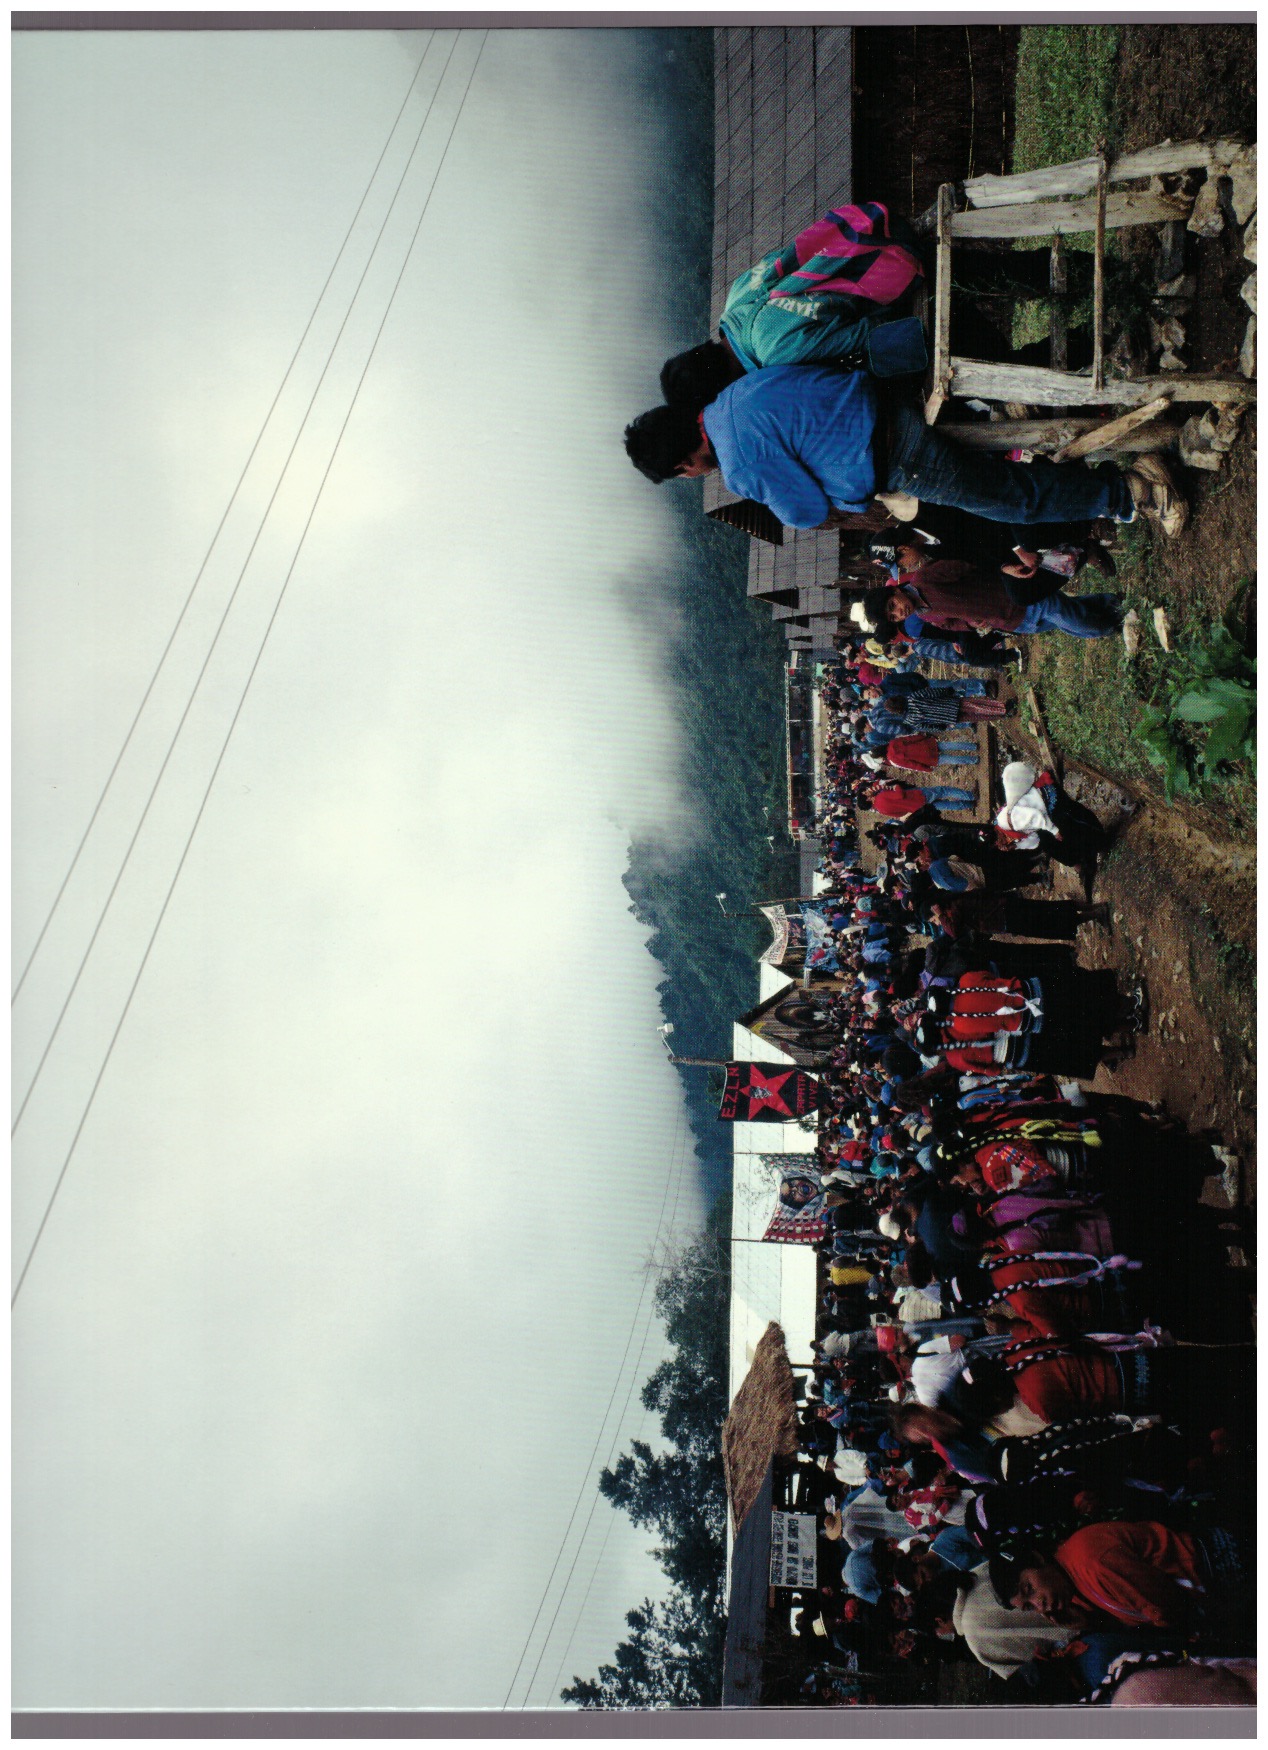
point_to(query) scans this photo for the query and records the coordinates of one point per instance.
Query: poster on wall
(799, 1217)
(793, 1559)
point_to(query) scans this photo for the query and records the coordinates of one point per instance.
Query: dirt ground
(1182, 924)
(1182, 890)
(1185, 81)
(1180, 82)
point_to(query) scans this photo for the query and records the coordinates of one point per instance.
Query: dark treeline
(673, 1656)
(724, 663)
(723, 660)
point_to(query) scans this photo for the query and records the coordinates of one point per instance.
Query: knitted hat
(1005, 1568)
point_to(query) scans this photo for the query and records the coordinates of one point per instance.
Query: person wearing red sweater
(1137, 1572)
(921, 753)
(897, 800)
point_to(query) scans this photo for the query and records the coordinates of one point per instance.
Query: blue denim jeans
(931, 467)
(1082, 616)
(957, 753)
(976, 650)
(964, 689)
(947, 796)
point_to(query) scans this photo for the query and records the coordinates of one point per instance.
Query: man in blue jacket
(810, 441)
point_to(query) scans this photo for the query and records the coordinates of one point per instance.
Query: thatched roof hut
(762, 1424)
(761, 1428)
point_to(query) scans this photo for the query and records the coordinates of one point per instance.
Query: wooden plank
(941, 370)
(1105, 436)
(1041, 728)
(1060, 217)
(1098, 277)
(990, 381)
(1047, 436)
(921, 309)
(1058, 334)
(1079, 177)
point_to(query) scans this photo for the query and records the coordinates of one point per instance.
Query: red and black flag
(767, 1090)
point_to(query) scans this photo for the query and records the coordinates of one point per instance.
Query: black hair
(1005, 1568)
(875, 602)
(659, 441)
(694, 378)
(900, 1060)
(989, 1391)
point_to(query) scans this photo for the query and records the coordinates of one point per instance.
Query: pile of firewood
(1226, 196)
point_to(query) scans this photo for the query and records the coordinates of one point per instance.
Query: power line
(233, 496)
(228, 608)
(586, 1476)
(554, 1687)
(247, 687)
(594, 1500)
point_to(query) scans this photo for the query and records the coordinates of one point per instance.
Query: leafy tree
(723, 658)
(666, 1662)
(673, 1656)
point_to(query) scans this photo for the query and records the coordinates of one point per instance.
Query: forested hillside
(727, 673)
(725, 663)
(673, 1657)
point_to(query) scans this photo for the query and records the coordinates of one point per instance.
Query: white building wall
(767, 1281)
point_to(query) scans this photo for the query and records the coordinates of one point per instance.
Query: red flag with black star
(773, 1091)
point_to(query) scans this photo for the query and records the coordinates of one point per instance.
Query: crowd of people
(803, 405)
(1029, 1428)
(1031, 1343)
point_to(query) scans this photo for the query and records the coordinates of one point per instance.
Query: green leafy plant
(1200, 721)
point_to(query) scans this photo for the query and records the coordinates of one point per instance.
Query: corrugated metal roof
(783, 121)
(783, 126)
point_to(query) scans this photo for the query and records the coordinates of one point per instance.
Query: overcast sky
(318, 1339)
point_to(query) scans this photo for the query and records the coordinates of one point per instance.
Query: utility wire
(594, 1502)
(233, 497)
(48, 1210)
(638, 1366)
(612, 1520)
(616, 1437)
(587, 1474)
(228, 607)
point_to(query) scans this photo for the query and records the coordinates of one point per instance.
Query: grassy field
(1064, 95)
(1092, 693)
(1064, 110)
